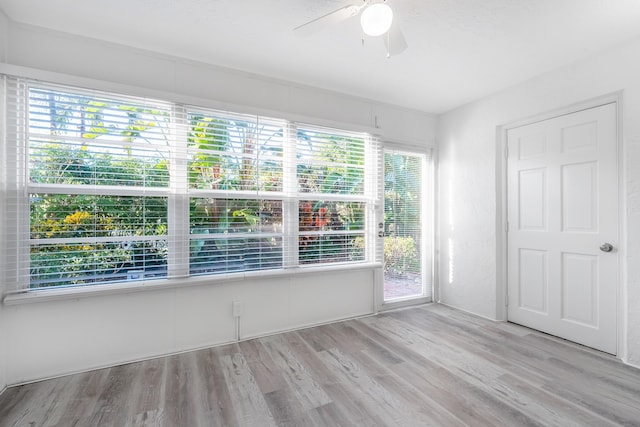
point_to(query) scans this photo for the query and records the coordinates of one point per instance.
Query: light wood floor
(429, 365)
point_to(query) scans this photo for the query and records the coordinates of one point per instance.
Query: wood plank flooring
(423, 366)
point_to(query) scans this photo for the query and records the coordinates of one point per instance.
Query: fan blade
(394, 40)
(330, 18)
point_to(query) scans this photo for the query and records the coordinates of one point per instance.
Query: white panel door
(562, 208)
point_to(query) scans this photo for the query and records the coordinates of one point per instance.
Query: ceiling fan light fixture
(376, 19)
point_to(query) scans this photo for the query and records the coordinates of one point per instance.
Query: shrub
(400, 255)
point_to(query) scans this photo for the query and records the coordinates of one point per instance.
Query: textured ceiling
(459, 50)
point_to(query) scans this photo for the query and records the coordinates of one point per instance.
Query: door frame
(501, 208)
(429, 217)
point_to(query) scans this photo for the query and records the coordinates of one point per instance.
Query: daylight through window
(120, 189)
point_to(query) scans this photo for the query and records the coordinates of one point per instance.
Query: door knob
(606, 247)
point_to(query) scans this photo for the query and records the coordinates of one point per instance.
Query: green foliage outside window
(402, 214)
(400, 255)
(84, 142)
(85, 237)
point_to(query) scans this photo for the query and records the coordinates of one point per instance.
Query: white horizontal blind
(98, 168)
(330, 161)
(235, 167)
(15, 207)
(234, 152)
(332, 204)
(105, 188)
(374, 186)
(404, 213)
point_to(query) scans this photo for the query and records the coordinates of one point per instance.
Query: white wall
(50, 338)
(468, 195)
(4, 35)
(70, 335)
(4, 24)
(197, 82)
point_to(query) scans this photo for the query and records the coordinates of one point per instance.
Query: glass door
(407, 226)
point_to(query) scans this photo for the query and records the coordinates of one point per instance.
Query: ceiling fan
(376, 19)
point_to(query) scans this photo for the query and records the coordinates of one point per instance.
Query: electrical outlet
(237, 309)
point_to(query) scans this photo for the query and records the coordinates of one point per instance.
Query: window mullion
(178, 220)
(374, 185)
(290, 208)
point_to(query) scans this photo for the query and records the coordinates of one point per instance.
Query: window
(330, 175)
(118, 188)
(98, 187)
(235, 185)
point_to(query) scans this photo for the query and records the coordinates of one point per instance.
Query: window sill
(44, 295)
